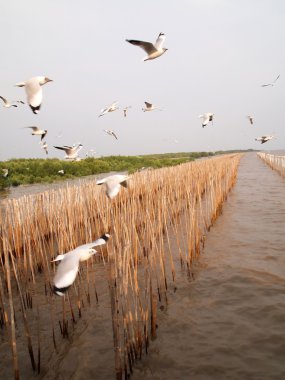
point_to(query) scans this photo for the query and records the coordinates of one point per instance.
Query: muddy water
(229, 322)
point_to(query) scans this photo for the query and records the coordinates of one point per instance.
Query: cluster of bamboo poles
(157, 226)
(275, 162)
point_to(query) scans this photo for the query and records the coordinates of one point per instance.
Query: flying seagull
(111, 133)
(44, 146)
(264, 139)
(112, 107)
(250, 118)
(71, 152)
(38, 132)
(61, 171)
(272, 83)
(125, 110)
(8, 104)
(69, 264)
(113, 184)
(149, 107)
(34, 91)
(207, 117)
(153, 50)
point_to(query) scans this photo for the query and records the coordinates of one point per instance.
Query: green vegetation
(28, 171)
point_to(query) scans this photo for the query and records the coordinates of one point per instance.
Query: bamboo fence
(274, 161)
(157, 226)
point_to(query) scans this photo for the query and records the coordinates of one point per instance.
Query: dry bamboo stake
(153, 312)
(12, 314)
(27, 332)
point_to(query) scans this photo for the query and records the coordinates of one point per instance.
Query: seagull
(44, 146)
(38, 132)
(5, 172)
(207, 117)
(70, 151)
(264, 139)
(8, 104)
(111, 133)
(61, 171)
(149, 107)
(250, 118)
(69, 264)
(110, 108)
(34, 91)
(271, 84)
(113, 184)
(125, 110)
(153, 50)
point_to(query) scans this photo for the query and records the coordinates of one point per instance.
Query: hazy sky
(220, 53)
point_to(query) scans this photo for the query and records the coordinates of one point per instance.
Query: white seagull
(112, 107)
(111, 133)
(69, 264)
(38, 132)
(250, 118)
(149, 107)
(207, 117)
(71, 152)
(264, 139)
(153, 50)
(34, 91)
(8, 104)
(113, 184)
(125, 110)
(44, 146)
(5, 172)
(272, 83)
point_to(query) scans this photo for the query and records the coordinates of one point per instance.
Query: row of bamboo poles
(274, 161)
(157, 227)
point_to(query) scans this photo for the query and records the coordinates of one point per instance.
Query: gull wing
(276, 78)
(113, 134)
(160, 40)
(4, 100)
(66, 271)
(35, 129)
(66, 149)
(148, 47)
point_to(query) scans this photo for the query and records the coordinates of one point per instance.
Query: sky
(219, 54)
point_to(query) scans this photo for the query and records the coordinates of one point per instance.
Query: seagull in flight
(207, 117)
(44, 146)
(149, 107)
(250, 118)
(8, 104)
(38, 132)
(71, 152)
(34, 91)
(113, 184)
(153, 50)
(264, 139)
(125, 110)
(272, 83)
(111, 133)
(110, 108)
(69, 264)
